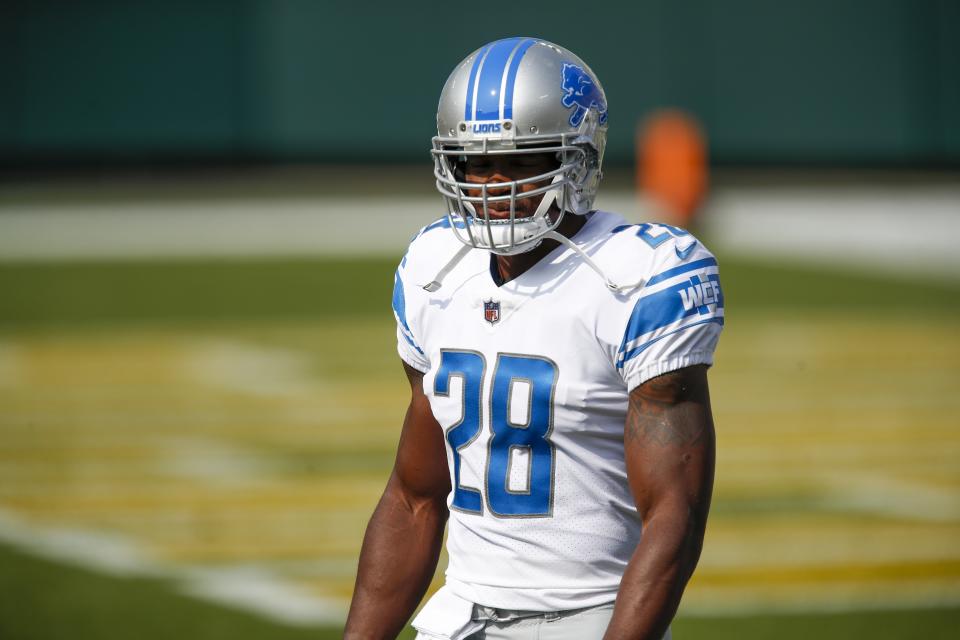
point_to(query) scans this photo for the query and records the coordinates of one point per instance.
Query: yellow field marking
(838, 477)
(841, 572)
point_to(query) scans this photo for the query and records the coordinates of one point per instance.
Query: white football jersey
(529, 381)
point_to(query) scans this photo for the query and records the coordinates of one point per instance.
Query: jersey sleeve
(408, 344)
(677, 317)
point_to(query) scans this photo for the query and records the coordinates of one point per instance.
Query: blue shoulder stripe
(400, 309)
(399, 301)
(670, 273)
(442, 223)
(692, 298)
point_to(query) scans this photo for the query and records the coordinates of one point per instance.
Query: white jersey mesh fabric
(530, 382)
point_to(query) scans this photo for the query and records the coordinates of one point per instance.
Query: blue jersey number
(468, 366)
(510, 443)
(666, 232)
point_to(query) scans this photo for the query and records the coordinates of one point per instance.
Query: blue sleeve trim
(630, 355)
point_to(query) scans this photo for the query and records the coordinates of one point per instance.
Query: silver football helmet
(517, 96)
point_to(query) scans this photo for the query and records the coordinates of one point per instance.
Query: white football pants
(579, 624)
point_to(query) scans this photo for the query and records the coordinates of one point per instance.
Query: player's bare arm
(669, 445)
(403, 539)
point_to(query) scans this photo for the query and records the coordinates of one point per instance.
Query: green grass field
(218, 420)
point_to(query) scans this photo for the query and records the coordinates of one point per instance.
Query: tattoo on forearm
(658, 414)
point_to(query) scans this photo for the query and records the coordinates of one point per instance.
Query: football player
(557, 359)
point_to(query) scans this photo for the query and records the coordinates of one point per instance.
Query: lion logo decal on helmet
(580, 92)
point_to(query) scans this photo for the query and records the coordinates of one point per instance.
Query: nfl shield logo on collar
(491, 311)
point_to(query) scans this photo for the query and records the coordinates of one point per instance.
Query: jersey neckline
(494, 273)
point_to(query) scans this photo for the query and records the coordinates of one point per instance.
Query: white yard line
(896, 229)
(249, 368)
(251, 589)
(220, 228)
(927, 597)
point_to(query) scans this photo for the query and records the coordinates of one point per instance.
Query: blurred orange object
(672, 164)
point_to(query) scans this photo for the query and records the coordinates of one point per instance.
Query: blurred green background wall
(822, 81)
(200, 397)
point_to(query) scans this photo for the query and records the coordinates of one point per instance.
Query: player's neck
(511, 267)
